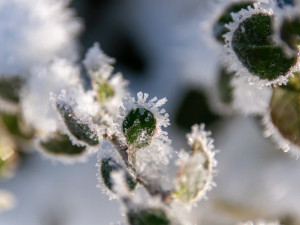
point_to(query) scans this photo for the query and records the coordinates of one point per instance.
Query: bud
(104, 91)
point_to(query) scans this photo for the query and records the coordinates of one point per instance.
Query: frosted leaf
(282, 119)
(59, 147)
(108, 166)
(141, 121)
(248, 99)
(36, 107)
(259, 222)
(7, 201)
(253, 27)
(81, 130)
(33, 32)
(195, 176)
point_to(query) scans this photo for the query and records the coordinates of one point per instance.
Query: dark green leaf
(138, 127)
(61, 144)
(290, 33)
(78, 128)
(252, 43)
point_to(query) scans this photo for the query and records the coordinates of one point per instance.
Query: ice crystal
(248, 99)
(37, 109)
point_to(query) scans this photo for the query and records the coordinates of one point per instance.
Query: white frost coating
(37, 108)
(99, 68)
(248, 99)
(152, 164)
(259, 222)
(274, 134)
(233, 62)
(98, 63)
(201, 162)
(160, 115)
(33, 32)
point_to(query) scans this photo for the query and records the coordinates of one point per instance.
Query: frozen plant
(261, 63)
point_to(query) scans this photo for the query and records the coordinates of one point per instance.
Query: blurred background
(159, 47)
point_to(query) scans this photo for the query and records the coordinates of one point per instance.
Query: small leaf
(192, 178)
(108, 166)
(61, 144)
(79, 129)
(252, 43)
(149, 216)
(15, 126)
(104, 91)
(225, 18)
(8, 157)
(10, 88)
(285, 109)
(290, 33)
(139, 127)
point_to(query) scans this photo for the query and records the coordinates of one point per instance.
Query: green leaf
(78, 128)
(15, 126)
(10, 88)
(225, 88)
(219, 27)
(290, 33)
(108, 166)
(285, 109)
(104, 91)
(61, 144)
(149, 216)
(253, 45)
(139, 127)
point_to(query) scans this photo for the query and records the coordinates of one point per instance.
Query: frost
(248, 99)
(27, 28)
(36, 107)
